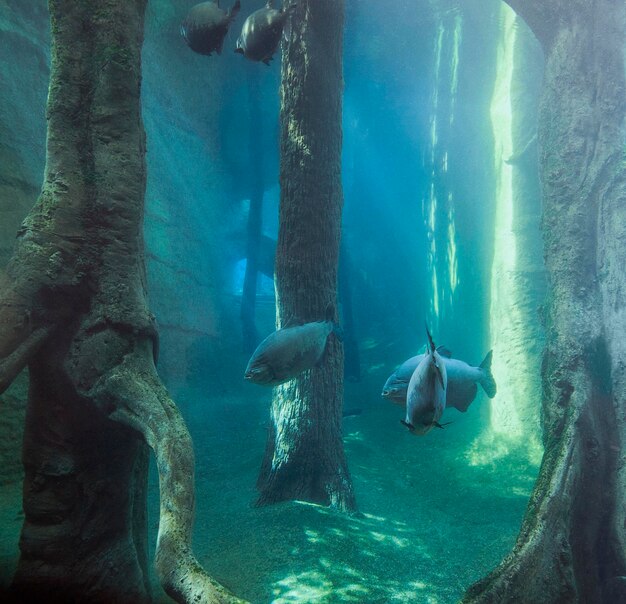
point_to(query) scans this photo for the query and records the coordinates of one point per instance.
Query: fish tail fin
(487, 381)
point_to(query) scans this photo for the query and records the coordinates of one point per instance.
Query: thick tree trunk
(572, 545)
(74, 309)
(305, 457)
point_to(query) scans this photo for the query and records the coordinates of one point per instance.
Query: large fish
(426, 394)
(462, 380)
(261, 32)
(206, 26)
(288, 352)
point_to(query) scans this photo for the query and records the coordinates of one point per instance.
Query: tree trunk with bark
(572, 545)
(73, 308)
(304, 458)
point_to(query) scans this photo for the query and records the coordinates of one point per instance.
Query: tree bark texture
(73, 308)
(572, 545)
(305, 457)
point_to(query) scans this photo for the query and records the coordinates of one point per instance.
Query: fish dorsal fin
(444, 352)
(431, 345)
(234, 10)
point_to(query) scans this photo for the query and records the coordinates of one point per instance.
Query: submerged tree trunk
(572, 545)
(73, 308)
(305, 457)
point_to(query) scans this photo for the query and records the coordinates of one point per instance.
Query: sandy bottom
(432, 523)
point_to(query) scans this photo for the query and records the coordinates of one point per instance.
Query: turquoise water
(432, 523)
(437, 228)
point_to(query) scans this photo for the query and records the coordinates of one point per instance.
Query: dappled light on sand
(425, 511)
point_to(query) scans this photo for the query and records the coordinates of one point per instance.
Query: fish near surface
(288, 352)
(261, 33)
(206, 26)
(462, 381)
(426, 394)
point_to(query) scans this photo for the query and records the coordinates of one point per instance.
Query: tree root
(11, 365)
(132, 393)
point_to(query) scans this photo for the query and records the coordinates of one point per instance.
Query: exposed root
(133, 394)
(11, 365)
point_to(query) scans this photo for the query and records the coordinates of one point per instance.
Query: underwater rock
(462, 380)
(261, 33)
(426, 395)
(206, 26)
(287, 352)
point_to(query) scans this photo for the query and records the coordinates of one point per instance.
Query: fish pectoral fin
(411, 427)
(444, 352)
(438, 425)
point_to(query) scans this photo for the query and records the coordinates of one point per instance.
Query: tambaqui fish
(288, 352)
(206, 26)
(426, 394)
(462, 380)
(261, 32)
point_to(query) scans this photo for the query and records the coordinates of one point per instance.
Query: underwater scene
(318, 301)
